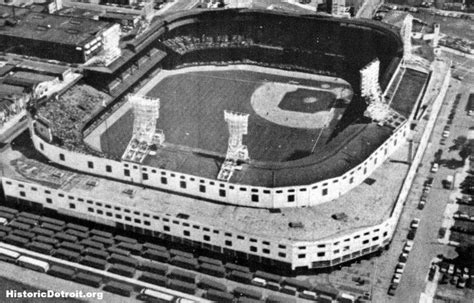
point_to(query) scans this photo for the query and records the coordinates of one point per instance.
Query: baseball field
(290, 114)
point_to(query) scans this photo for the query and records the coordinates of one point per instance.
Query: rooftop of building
(395, 18)
(31, 76)
(8, 89)
(78, 12)
(368, 204)
(47, 27)
(42, 67)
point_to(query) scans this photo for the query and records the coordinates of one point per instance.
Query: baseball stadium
(251, 126)
(301, 93)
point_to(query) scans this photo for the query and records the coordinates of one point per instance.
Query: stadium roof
(54, 28)
(43, 67)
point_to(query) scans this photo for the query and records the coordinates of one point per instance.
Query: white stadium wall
(311, 254)
(224, 192)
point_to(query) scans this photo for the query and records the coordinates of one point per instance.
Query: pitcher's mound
(309, 100)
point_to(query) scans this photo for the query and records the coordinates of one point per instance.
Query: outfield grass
(192, 114)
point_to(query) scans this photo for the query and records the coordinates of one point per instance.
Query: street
(426, 246)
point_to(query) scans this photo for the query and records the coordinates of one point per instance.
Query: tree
(465, 152)
(460, 141)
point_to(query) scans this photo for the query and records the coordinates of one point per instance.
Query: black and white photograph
(237, 151)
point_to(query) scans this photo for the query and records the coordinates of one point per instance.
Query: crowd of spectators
(325, 37)
(187, 43)
(67, 114)
(289, 67)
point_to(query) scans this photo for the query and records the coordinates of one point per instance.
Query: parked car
(432, 273)
(429, 182)
(396, 278)
(465, 273)
(391, 290)
(411, 234)
(408, 246)
(415, 223)
(434, 167)
(451, 269)
(403, 258)
(445, 134)
(400, 268)
(421, 204)
(461, 283)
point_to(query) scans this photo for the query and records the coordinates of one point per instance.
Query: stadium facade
(265, 38)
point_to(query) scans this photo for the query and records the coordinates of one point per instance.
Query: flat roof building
(55, 37)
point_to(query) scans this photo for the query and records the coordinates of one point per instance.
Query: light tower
(236, 151)
(436, 30)
(238, 126)
(369, 80)
(377, 108)
(406, 31)
(145, 113)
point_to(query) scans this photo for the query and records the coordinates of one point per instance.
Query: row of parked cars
(407, 248)
(426, 189)
(414, 224)
(455, 275)
(447, 127)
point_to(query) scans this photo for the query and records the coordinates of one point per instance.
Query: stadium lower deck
(366, 205)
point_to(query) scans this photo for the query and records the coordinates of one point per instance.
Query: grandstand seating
(265, 39)
(67, 115)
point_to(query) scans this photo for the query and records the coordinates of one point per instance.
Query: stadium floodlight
(238, 126)
(377, 108)
(369, 79)
(436, 31)
(406, 31)
(236, 150)
(146, 112)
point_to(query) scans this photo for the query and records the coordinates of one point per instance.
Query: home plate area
(296, 106)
